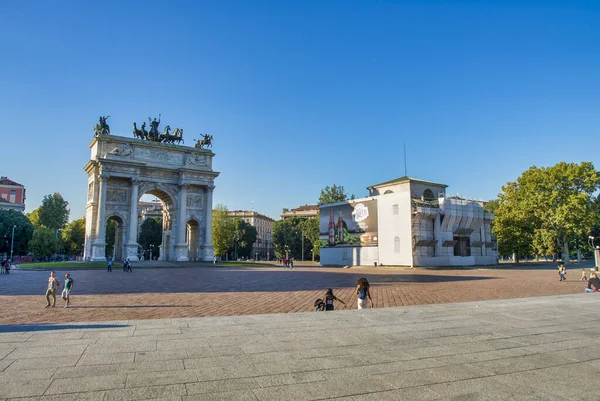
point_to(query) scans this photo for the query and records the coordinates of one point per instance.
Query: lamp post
(235, 245)
(12, 242)
(287, 250)
(312, 254)
(303, 245)
(591, 243)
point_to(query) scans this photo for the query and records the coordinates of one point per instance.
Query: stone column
(207, 247)
(181, 247)
(98, 248)
(132, 245)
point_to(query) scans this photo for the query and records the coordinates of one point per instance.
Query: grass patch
(234, 263)
(63, 265)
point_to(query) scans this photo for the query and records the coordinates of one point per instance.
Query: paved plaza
(521, 349)
(225, 291)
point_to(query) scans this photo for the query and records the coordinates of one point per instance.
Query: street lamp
(591, 243)
(236, 238)
(287, 250)
(12, 242)
(303, 245)
(312, 254)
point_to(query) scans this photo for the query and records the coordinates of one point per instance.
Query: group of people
(5, 266)
(126, 265)
(362, 292)
(288, 263)
(53, 284)
(593, 283)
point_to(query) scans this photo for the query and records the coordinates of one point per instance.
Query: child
(329, 298)
(560, 272)
(66, 292)
(583, 276)
(363, 293)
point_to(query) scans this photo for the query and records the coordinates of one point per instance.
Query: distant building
(305, 212)
(263, 247)
(12, 195)
(407, 222)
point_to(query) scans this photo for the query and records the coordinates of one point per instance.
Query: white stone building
(407, 222)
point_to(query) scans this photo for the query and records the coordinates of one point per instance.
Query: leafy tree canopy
(23, 232)
(333, 194)
(73, 236)
(54, 212)
(547, 208)
(222, 230)
(44, 242)
(151, 234)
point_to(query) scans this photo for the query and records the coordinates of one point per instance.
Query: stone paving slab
(520, 349)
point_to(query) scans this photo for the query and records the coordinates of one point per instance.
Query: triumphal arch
(122, 169)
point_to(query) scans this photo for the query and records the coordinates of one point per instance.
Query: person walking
(51, 291)
(329, 298)
(363, 294)
(66, 292)
(109, 265)
(560, 272)
(128, 269)
(583, 275)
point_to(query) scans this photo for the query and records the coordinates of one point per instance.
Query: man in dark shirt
(594, 281)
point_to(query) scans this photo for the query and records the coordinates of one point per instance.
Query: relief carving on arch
(116, 195)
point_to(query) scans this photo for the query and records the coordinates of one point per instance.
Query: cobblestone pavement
(522, 349)
(223, 291)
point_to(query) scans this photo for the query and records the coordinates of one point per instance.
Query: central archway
(168, 204)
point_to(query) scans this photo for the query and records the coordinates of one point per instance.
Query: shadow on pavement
(210, 280)
(129, 306)
(13, 328)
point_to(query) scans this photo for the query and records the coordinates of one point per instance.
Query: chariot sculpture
(102, 127)
(155, 135)
(205, 142)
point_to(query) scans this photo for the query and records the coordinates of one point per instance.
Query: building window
(428, 195)
(396, 244)
(13, 192)
(388, 192)
(395, 209)
(463, 246)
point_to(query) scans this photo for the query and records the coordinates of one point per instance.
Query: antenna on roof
(405, 173)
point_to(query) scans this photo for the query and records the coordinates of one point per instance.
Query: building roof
(6, 181)
(407, 179)
(305, 207)
(233, 213)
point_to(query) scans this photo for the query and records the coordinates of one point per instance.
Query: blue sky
(303, 94)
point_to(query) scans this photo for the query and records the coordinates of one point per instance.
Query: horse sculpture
(164, 136)
(178, 136)
(137, 133)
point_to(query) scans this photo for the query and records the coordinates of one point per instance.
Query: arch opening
(115, 244)
(155, 211)
(192, 239)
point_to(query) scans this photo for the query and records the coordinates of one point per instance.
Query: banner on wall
(349, 224)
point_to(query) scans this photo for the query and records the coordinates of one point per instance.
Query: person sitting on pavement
(593, 281)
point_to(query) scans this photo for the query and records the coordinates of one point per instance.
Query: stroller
(319, 305)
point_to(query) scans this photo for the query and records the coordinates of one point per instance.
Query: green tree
(23, 232)
(111, 236)
(34, 218)
(151, 234)
(333, 194)
(73, 237)
(310, 228)
(556, 200)
(44, 242)
(288, 233)
(245, 235)
(513, 226)
(54, 212)
(222, 230)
